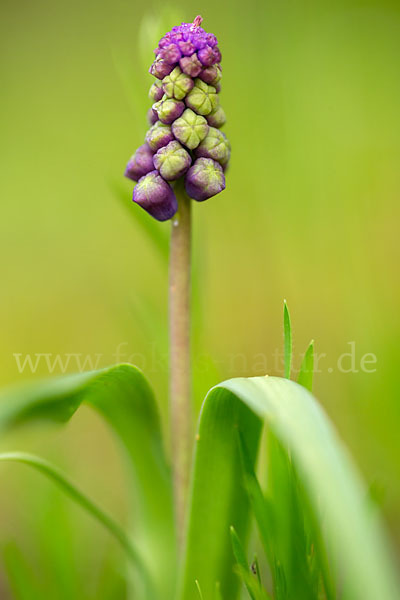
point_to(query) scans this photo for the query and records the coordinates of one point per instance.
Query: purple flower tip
(155, 196)
(185, 40)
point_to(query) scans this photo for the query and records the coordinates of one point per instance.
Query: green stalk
(180, 368)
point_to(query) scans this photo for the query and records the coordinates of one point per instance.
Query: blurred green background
(311, 211)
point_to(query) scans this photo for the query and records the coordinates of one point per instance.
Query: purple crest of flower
(155, 196)
(191, 65)
(171, 54)
(140, 163)
(204, 179)
(188, 38)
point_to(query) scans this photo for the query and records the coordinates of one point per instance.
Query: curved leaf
(55, 475)
(123, 397)
(336, 494)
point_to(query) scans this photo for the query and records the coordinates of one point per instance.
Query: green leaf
(55, 475)
(218, 498)
(352, 533)
(123, 397)
(199, 590)
(307, 368)
(250, 581)
(287, 330)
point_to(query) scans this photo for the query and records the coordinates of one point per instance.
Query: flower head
(184, 140)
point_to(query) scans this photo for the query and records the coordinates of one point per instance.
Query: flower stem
(180, 367)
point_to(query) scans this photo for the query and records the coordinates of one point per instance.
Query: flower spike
(184, 142)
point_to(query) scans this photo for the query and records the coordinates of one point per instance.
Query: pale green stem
(180, 368)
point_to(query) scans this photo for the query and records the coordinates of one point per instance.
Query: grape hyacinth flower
(184, 158)
(184, 148)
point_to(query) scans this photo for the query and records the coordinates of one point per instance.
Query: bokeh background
(311, 214)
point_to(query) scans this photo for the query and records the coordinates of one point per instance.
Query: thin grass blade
(306, 374)
(287, 330)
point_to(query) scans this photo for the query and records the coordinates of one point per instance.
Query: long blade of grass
(306, 374)
(287, 330)
(55, 475)
(244, 569)
(123, 397)
(353, 534)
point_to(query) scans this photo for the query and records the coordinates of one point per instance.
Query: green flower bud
(202, 98)
(215, 146)
(190, 129)
(168, 109)
(158, 136)
(177, 84)
(172, 161)
(204, 180)
(217, 117)
(156, 91)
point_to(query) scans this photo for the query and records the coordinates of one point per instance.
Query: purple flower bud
(160, 68)
(206, 56)
(172, 161)
(156, 91)
(140, 163)
(177, 84)
(190, 129)
(156, 196)
(152, 116)
(186, 48)
(211, 39)
(168, 109)
(217, 117)
(171, 54)
(217, 55)
(191, 65)
(158, 136)
(215, 146)
(204, 179)
(211, 75)
(202, 98)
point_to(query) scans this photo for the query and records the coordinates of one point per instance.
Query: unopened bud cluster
(184, 140)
